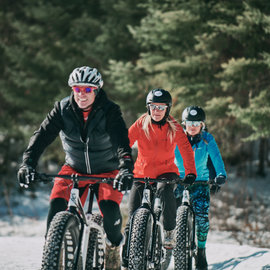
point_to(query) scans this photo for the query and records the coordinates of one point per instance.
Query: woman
(204, 146)
(157, 135)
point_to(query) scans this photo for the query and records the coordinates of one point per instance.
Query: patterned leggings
(200, 199)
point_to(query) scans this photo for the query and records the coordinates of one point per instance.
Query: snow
(25, 253)
(22, 235)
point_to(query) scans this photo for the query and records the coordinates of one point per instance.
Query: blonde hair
(146, 121)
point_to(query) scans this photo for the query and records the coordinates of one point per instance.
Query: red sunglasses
(85, 89)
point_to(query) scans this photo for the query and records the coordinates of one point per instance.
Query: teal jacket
(206, 147)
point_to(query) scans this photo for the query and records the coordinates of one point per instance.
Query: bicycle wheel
(139, 239)
(96, 247)
(61, 245)
(184, 239)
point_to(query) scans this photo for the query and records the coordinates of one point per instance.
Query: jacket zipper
(86, 156)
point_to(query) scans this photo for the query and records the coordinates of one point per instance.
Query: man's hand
(26, 174)
(189, 179)
(123, 180)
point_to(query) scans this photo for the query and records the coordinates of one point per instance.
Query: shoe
(169, 239)
(201, 262)
(112, 255)
(112, 258)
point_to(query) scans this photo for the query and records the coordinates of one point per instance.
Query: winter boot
(201, 262)
(112, 255)
(169, 239)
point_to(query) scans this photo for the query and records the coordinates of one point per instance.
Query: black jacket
(93, 147)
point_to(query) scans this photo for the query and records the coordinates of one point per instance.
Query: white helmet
(85, 76)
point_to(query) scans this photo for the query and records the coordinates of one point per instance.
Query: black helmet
(193, 113)
(159, 96)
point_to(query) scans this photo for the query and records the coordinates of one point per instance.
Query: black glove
(220, 180)
(26, 174)
(189, 179)
(124, 179)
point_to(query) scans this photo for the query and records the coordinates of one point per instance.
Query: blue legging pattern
(200, 199)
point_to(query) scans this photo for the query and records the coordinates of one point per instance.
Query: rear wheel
(61, 246)
(139, 239)
(96, 247)
(184, 239)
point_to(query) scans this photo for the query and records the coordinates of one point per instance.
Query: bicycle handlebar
(43, 177)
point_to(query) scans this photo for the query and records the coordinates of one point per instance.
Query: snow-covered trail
(24, 253)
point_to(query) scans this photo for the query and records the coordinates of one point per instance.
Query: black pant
(166, 193)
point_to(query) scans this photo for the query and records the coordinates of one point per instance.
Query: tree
(208, 53)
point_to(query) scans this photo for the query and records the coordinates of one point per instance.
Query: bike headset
(159, 96)
(194, 113)
(86, 76)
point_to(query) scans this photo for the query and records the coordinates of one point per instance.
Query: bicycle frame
(151, 202)
(186, 249)
(186, 201)
(76, 208)
(154, 205)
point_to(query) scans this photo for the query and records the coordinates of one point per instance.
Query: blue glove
(26, 174)
(189, 179)
(220, 180)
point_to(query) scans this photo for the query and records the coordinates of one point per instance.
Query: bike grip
(115, 182)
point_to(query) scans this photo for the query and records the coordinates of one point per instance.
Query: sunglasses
(85, 89)
(157, 107)
(193, 123)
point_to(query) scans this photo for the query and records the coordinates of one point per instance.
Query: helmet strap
(162, 122)
(194, 139)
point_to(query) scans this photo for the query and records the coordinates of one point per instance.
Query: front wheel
(62, 241)
(140, 233)
(184, 239)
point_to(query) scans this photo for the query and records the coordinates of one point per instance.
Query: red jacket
(156, 156)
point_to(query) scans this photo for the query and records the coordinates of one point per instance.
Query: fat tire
(61, 244)
(96, 248)
(139, 239)
(184, 235)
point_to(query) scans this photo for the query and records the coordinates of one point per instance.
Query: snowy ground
(22, 236)
(24, 253)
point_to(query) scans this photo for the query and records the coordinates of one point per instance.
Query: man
(95, 141)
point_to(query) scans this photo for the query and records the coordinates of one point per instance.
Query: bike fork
(85, 239)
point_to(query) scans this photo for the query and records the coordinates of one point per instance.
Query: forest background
(215, 54)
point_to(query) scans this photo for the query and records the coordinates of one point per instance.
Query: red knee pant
(62, 187)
